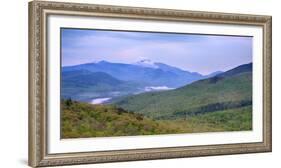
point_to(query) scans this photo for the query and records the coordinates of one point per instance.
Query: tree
(68, 102)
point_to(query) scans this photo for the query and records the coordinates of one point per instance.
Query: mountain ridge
(157, 74)
(84, 85)
(232, 89)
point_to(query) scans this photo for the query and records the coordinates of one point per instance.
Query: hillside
(85, 78)
(87, 120)
(85, 85)
(229, 90)
(238, 70)
(82, 120)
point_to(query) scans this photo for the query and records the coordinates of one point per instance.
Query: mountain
(85, 78)
(146, 63)
(213, 74)
(229, 90)
(240, 69)
(85, 85)
(145, 72)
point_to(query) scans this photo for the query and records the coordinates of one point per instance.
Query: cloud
(200, 53)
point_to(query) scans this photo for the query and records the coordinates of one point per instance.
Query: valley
(113, 99)
(105, 79)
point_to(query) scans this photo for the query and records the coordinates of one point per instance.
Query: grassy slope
(86, 120)
(190, 98)
(226, 120)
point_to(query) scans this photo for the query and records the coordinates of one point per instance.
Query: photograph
(113, 83)
(131, 83)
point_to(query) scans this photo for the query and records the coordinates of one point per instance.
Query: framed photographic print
(112, 83)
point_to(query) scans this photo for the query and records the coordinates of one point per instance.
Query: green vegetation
(227, 120)
(220, 103)
(87, 120)
(84, 85)
(81, 120)
(208, 95)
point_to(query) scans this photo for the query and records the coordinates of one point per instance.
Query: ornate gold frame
(39, 10)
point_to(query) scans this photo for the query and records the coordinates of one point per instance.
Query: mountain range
(144, 71)
(128, 105)
(229, 90)
(105, 79)
(219, 103)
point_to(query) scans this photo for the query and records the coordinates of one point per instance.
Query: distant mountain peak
(102, 62)
(146, 63)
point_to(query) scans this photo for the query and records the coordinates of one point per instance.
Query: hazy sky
(195, 53)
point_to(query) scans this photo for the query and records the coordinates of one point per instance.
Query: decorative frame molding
(39, 10)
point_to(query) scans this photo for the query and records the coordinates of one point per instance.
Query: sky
(192, 52)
